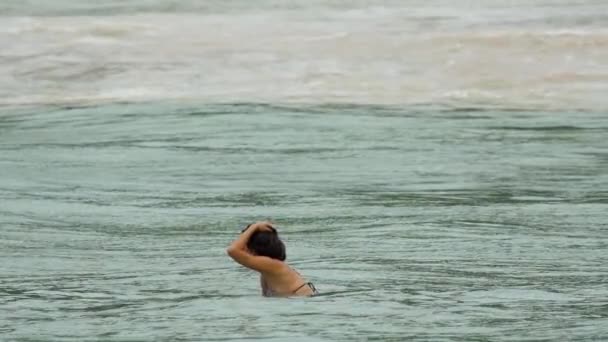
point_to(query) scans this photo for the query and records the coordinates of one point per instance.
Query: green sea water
(418, 223)
(438, 169)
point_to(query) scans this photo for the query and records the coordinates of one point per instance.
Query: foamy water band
(333, 57)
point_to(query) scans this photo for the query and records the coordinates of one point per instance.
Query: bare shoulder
(278, 268)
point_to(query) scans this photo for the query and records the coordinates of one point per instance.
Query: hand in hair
(265, 226)
(260, 248)
(239, 251)
(260, 226)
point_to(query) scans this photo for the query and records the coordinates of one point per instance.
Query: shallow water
(415, 223)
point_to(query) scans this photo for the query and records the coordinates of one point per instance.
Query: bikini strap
(299, 287)
(312, 287)
(309, 284)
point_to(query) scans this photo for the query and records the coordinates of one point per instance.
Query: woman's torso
(286, 282)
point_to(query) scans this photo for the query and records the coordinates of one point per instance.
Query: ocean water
(518, 54)
(437, 169)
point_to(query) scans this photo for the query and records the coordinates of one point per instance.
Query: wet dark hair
(267, 243)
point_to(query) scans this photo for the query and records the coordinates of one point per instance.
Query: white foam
(394, 55)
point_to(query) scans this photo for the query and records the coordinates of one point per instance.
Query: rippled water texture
(415, 223)
(437, 168)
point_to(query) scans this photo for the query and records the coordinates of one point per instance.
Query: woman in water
(260, 249)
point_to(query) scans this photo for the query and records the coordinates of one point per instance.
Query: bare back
(284, 282)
